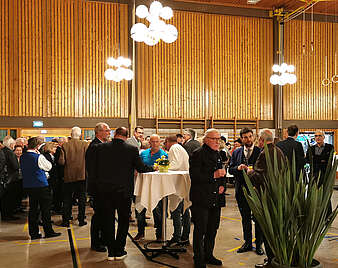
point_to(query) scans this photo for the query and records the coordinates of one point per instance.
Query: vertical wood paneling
(217, 67)
(308, 99)
(53, 58)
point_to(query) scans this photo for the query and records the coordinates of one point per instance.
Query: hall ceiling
(329, 7)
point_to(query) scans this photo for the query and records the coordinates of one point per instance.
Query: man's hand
(219, 173)
(221, 189)
(242, 166)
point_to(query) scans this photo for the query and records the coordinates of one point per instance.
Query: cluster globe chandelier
(120, 69)
(158, 29)
(283, 74)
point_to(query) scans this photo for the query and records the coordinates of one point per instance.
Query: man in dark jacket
(190, 144)
(290, 145)
(102, 133)
(207, 197)
(113, 170)
(259, 172)
(243, 158)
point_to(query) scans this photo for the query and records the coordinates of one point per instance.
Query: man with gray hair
(190, 144)
(207, 195)
(258, 173)
(73, 158)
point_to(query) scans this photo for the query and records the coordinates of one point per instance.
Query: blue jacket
(33, 176)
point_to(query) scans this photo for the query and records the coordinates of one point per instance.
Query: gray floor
(16, 250)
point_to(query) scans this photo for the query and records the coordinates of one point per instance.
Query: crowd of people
(66, 171)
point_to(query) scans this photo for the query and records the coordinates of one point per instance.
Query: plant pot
(315, 264)
(163, 169)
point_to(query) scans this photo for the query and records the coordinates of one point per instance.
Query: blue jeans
(157, 214)
(180, 219)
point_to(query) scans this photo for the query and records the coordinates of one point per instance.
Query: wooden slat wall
(217, 67)
(53, 58)
(308, 99)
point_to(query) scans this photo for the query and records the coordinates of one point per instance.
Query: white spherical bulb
(282, 80)
(274, 79)
(151, 39)
(138, 32)
(292, 79)
(290, 68)
(170, 34)
(142, 11)
(109, 74)
(166, 13)
(126, 62)
(129, 74)
(283, 68)
(275, 68)
(111, 61)
(155, 8)
(157, 26)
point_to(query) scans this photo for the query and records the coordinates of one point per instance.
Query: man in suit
(136, 139)
(243, 158)
(320, 158)
(73, 158)
(207, 195)
(290, 146)
(190, 144)
(102, 133)
(113, 170)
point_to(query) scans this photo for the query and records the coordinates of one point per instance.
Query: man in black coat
(113, 170)
(102, 133)
(207, 195)
(290, 145)
(243, 158)
(190, 144)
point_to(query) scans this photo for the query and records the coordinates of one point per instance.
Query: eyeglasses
(214, 139)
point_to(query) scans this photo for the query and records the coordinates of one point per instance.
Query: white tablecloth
(151, 187)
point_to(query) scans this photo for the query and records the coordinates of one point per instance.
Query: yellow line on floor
(41, 242)
(332, 234)
(75, 247)
(233, 249)
(228, 218)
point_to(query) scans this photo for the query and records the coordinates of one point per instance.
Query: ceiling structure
(329, 7)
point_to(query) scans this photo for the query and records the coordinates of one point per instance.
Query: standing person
(290, 146)
(8, 201)
(179, 161)
(207, 195)
(190, 144)
(149, 158)
(73, 158)
(237, 144)
(113, 172)
(19, 193)
(179, 138)
(320, 154)
(137, 138)
(102, 133)
(33, 166)
(258, 175)
(241, 159)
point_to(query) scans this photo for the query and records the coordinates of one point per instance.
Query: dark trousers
(70, 188)
(157, 215)
(9, 200)
(96, 232)
(108, 204)
(206, 223)
(246, 214)
(268, 250)
(39, 200)
(181, 219)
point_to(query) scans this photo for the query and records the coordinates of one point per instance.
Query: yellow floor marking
(230, 218)
(233, 249)
(85, 238)
(25, 227)
(75, 247)
(41, 242)
(332, 234)
(241, 263)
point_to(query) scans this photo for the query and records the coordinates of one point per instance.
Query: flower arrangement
(162, 164)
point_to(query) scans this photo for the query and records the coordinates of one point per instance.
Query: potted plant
(293, 214)
(163, 164)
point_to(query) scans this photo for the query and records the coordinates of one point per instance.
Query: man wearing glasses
(207, 195)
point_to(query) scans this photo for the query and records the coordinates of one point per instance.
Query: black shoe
(99, 248)
(53, 234)
(34, 237)
(245, 248)
(185, 243)
(266, 264)
(200, 265)
(65, 224)
(259, 250)
(120, 255)
(82, 223)
(212, 260)
(173, 242)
